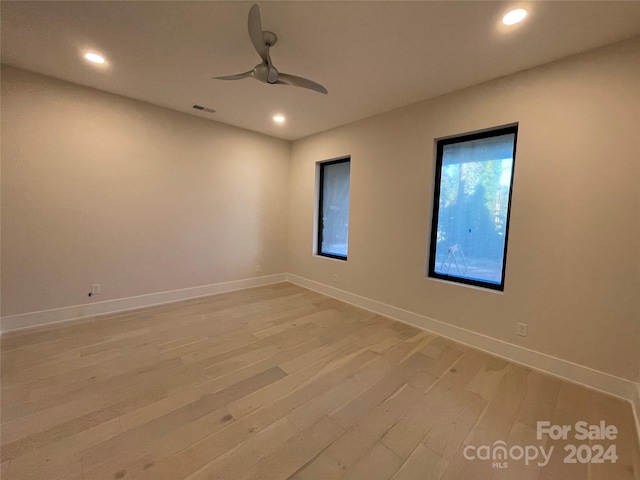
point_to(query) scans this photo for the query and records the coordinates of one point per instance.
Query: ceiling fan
(265, 71)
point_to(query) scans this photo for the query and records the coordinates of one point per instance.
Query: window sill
(341, 260)
(465, 285)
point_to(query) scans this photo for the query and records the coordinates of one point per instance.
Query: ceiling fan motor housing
(270, 38)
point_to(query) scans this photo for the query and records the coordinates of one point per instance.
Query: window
(472, 199)
(333, 208)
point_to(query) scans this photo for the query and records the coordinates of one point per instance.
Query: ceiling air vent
(204, 109)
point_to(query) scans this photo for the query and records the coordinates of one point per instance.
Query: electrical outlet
(96, 289)
(521, 329)
(258, 268)
(335, 278)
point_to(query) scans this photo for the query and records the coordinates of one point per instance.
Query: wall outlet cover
(521, 329)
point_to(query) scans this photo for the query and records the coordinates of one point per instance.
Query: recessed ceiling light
(514, 16)
(278, 118)
(94, 57)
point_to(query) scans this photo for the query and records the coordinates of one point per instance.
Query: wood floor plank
(422, 463)
(154, 410)
(522, 469)
(61, 459)
(316, 354)
(237, 461)
(127, 465)
(498, 418)
(379, 463)
(334, 462)
(187, 434)
(442, 433)
(209, 448)
(222, 382)
(46, 436)
(49, 418)
(295, 452)
(540, 399)
(306, 415)
(390, 383)
(301, 387)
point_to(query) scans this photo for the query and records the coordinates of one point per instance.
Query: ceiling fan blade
(255, 31)
(286, 79)
(239, 76)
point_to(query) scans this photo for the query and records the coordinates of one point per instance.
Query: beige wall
(573, 266)
(98, 188)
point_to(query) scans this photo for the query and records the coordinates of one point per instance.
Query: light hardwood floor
(279, 382)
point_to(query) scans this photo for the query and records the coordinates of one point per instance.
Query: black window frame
(319, 238)
(440, 144)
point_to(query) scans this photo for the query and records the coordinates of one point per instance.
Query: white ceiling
(371, 56)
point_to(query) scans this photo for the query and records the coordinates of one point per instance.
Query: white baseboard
(557, 367)
(635, 404)
(47, 317)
